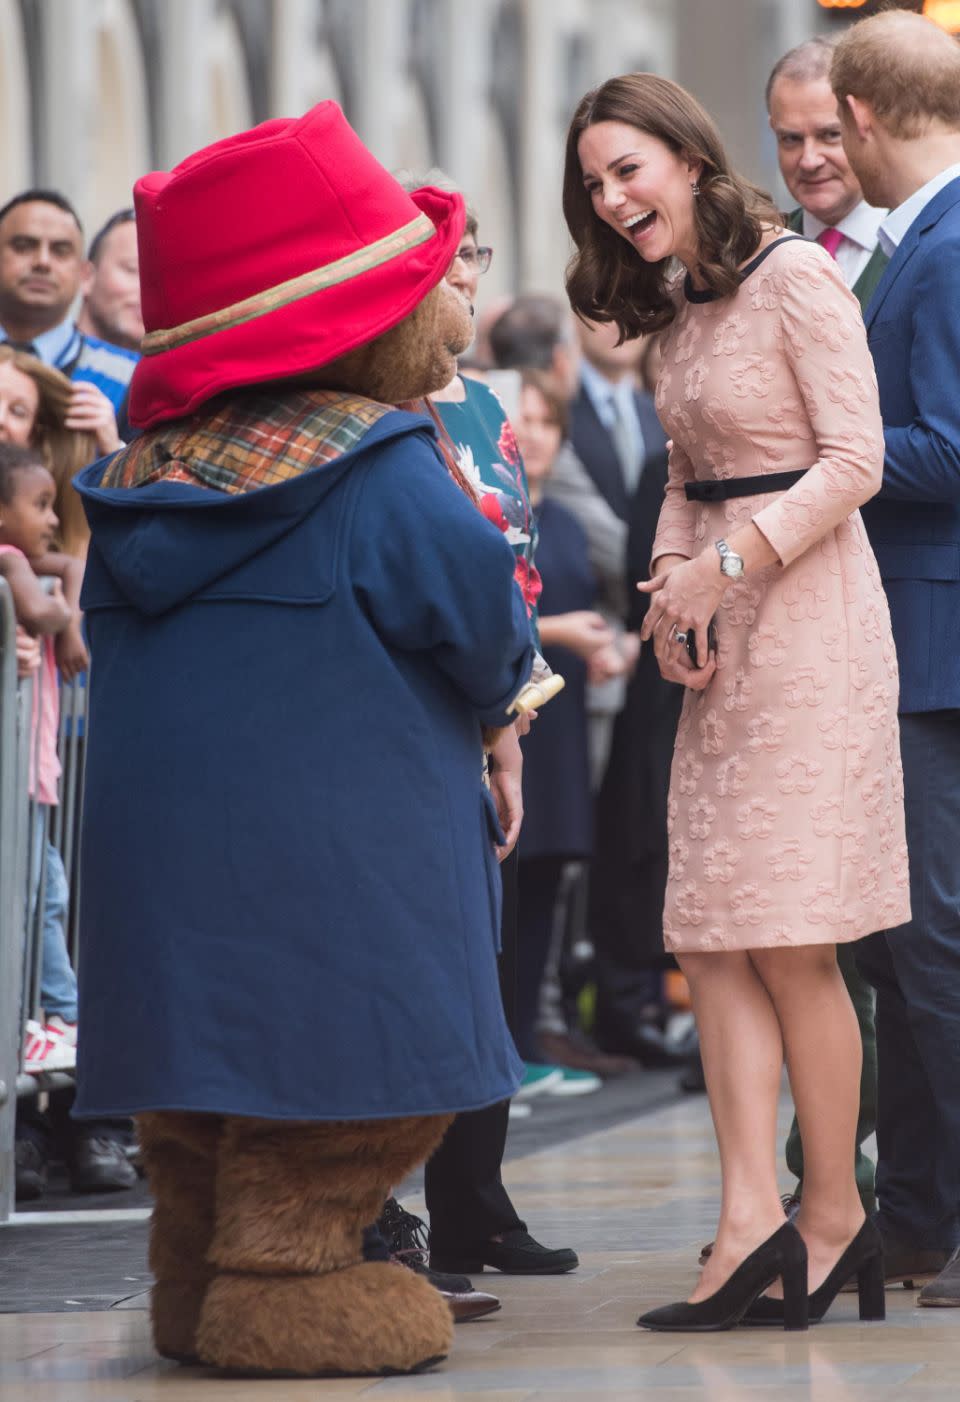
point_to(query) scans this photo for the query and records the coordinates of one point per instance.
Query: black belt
(722, 490)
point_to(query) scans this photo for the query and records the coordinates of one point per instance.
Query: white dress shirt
(860, 229)
(898, 221)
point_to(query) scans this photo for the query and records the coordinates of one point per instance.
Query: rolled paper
(536, 694)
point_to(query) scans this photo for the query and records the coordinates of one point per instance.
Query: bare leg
(823, 1051)
(742, 1054)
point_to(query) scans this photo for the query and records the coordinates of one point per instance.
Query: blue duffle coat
(290, 898)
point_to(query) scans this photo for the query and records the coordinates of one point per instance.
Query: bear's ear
(416, 357)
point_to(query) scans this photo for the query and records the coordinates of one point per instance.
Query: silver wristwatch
(731, 564)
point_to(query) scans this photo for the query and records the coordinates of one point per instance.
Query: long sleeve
(677, 524)
(437, 578)
(826, 346)
(923, 457)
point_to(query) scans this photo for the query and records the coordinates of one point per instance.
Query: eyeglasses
(478, 258)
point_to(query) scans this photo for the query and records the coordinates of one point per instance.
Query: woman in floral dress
(786, 804)
(472, 1219)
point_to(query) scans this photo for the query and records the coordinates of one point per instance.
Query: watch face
(732, 565)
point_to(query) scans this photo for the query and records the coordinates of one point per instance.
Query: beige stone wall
(93, 92)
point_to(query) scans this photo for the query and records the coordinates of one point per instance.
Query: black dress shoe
(30, 1162)
(512, 1253)
(782, 1256)
(97, 1164)
(401, 1236)
(647, 1043)
(861, 1261)
(693, 1081)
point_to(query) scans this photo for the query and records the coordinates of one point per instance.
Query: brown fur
(180, 1154)
(294, 1198)
(415, 358)
(284, 1203)
(367, 1319)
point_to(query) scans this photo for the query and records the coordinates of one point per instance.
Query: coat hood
(156, 546)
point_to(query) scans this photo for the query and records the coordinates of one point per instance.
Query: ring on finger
(679, 636)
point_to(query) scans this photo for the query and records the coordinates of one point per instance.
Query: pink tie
(830, 239)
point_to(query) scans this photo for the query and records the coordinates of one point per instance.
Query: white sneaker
(45, 1050)
(66, 1030)
(576, 1083)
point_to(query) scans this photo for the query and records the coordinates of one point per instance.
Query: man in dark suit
(616, 433)
(831, 210)
(897, 80)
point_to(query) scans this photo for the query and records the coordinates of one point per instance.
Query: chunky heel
(796, 1301)
(782, 1255)
(870, 1289)
(862, 1260)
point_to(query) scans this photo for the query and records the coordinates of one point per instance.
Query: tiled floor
(636, 1200)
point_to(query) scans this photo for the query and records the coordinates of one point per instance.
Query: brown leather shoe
(945, 1290)
(912, 1266)
(791, 1206)
(576, 1052)
(465, 1302)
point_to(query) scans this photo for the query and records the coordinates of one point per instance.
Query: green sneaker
(537, 1079)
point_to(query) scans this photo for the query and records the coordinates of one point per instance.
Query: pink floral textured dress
(786, 794)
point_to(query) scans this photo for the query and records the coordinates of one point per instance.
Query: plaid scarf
(251, 439)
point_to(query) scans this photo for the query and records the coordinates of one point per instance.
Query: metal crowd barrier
(21, 929)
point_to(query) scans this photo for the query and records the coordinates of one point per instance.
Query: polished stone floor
(637, 1200)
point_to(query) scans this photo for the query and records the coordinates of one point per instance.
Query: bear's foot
(174, 1315)
(373, 1318)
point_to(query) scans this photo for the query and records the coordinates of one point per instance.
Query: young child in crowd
(28, 525)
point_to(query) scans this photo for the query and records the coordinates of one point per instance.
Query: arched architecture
(93, 93)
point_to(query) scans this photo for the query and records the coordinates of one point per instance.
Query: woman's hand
(506, 786)
(583, 631)
(617, 660)
(91, 412)
(683, 599)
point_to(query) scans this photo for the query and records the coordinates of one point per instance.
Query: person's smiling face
(813, 163)
(642, 189)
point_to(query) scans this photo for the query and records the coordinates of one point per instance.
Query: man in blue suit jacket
(897, 79)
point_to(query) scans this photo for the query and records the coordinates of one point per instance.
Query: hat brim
(304, 334)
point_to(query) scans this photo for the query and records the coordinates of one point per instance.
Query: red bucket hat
(274, 252)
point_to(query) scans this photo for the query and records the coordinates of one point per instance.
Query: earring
(695, 188)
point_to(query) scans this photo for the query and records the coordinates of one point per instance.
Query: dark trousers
(915, 970)
(466, 1199)
(861, 996)
(539, 884)
(628, 874)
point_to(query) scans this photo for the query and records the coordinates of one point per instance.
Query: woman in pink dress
(786, 803)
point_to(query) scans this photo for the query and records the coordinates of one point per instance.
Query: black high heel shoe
(782, 1256)
(863, 1258)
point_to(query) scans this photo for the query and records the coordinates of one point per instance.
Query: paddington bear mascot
(300, 628)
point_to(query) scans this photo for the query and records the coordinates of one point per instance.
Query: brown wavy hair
(609, 281)
(65, 450)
